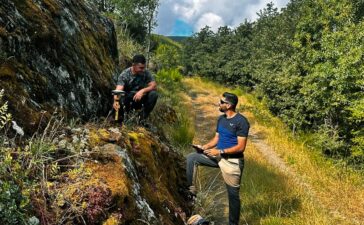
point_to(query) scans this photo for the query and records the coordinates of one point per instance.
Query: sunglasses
(223, 102)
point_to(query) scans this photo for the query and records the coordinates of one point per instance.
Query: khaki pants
(231, 170)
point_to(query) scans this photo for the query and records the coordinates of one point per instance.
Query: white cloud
(213, 13)
(190, 9)
(209, 19)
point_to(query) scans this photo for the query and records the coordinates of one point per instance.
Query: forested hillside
(305, 62)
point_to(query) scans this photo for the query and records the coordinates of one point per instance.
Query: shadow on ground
(266, 193)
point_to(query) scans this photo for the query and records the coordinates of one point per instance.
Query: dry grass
(317, 191)
(272, 197)
(339, 190)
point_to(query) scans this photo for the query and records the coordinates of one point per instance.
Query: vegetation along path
(283, 181)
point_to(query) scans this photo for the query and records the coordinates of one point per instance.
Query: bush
(182, 131)
(11, 198)
(25, 170)
(329, 141)
(12, 211)
(167, 56)
(170, 78)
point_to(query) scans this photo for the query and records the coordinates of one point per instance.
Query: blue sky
(184, 17)
(181, 28)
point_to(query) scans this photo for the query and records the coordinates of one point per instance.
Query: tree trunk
(102, 6)
(150, 19)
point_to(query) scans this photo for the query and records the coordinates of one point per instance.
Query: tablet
(117, 92)
(197, 148)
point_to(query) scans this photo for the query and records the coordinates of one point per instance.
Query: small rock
(33, 221)
(75, 139)
(114, 130)
(62, 144)
(70, 147)
(76, 130)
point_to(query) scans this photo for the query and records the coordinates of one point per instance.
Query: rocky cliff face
(62, 54)
(55, 53)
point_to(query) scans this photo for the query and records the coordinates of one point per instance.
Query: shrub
(11, 198)
(167, 56)
(182, 131)
(11, 209)
(169, 78)
(329, 141)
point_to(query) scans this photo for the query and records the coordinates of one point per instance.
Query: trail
(205, 106)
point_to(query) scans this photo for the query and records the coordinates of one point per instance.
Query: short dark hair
(139, 59)
(231, 98)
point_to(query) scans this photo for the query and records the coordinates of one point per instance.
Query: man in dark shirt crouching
(140, 89)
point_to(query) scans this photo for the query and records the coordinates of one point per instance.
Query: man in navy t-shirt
(226, 151)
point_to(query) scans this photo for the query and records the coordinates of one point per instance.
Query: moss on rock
(115, 185)
(56, 54)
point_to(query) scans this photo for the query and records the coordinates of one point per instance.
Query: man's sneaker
(197, 220)
(144, 124)
(189, 196)
(148, 126)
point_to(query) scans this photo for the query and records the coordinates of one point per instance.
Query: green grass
(172, 113)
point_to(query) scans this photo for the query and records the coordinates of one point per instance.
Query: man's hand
(116, 105)
(212, 152)
(138, 96)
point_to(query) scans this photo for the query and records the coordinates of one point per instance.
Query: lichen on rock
(55, 53)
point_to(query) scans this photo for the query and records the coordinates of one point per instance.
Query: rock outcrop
(55, 53)
(63, 54)
(120, 176)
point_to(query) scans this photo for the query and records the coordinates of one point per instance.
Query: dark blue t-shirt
(230, 129)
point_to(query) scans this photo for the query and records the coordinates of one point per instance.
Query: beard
(222, 110)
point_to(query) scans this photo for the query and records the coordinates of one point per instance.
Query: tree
(148, 10)
(135, 16)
